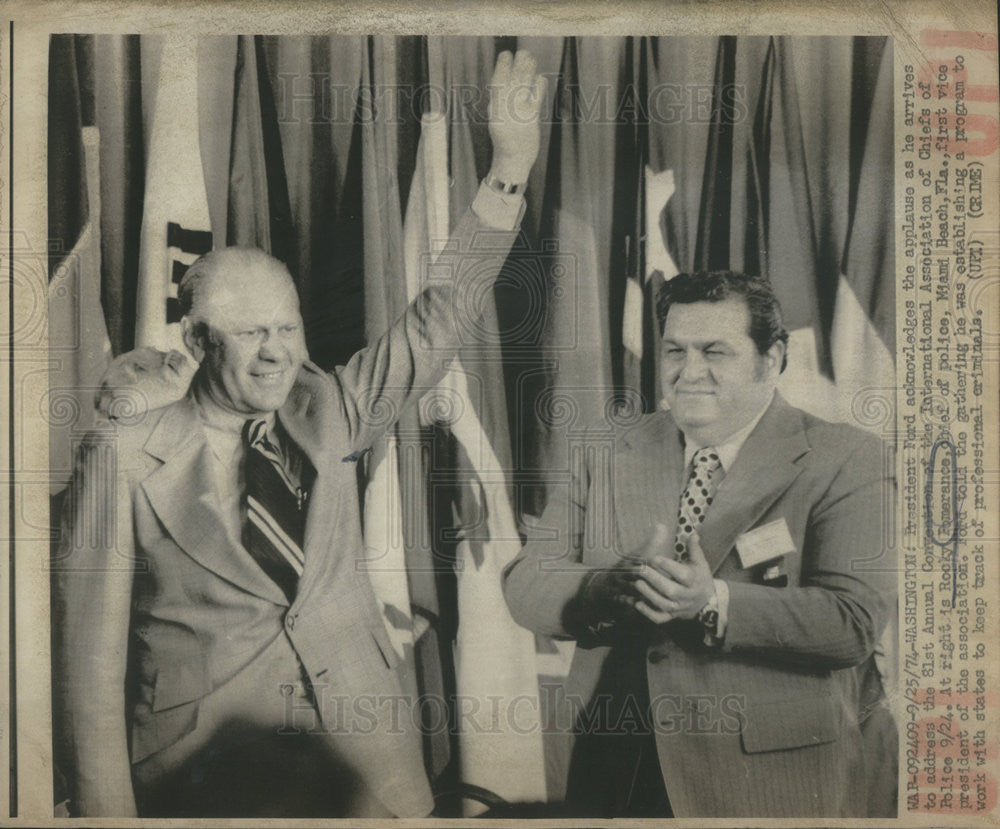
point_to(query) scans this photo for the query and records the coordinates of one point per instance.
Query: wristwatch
(708, 616)
(505, 187)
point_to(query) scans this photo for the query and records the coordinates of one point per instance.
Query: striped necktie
(697, 497)
(274, 532)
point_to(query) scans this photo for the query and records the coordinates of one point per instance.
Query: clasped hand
(658, 586)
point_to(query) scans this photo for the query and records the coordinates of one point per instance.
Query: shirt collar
(730, 448)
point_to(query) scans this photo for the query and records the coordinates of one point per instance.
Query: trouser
(267, 775)
(614, 770)
(258, 749)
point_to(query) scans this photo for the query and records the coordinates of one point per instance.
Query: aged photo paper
(597, 421)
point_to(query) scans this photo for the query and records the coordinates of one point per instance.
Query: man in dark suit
(217, 649)
(722, 575)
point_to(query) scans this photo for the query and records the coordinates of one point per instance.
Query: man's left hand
(516, 95)
(675, 589)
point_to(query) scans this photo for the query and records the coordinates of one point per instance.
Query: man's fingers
(499, 82)
(659, 584)
(657, 616)
(539, 90)
(501, 72)
(655, 598)
(697, 555)
(523, 68)
(679, 571)
(515, 91)
(658, 580)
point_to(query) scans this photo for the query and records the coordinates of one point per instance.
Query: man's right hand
(141, 380)
(516, 95)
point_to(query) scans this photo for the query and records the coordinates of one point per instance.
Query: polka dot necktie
(706, 472)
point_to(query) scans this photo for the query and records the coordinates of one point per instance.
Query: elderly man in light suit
(721, 629)
(213, 646)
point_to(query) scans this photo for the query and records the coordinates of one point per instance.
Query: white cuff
(502, 211)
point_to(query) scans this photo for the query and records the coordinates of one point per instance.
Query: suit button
(290, 622)
(294, 689)
(656, 656)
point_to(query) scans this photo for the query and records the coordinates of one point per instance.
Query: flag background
(766, 154)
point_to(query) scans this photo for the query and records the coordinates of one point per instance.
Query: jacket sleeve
(414, 354)
(92, 577)
(835, 615)
(546, 584)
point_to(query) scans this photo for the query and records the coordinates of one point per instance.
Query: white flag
(176, 227)
(495, 662)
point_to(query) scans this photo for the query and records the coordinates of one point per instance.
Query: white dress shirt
(224, 436)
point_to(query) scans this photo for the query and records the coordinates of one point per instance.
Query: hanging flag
(576, 338)
(494, 657)
(659, 187)
(118, 117)
(635, 271)
(385, 290)
(863, 337)
(176, 223)
(259, 212)
(78, 337)
(385, 554)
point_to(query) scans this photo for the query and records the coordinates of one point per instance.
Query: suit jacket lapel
(306, 417)
(181, 493)
(763, 470)
(649, 477)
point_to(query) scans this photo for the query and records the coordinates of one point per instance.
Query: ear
(774, 358)
(192, 340)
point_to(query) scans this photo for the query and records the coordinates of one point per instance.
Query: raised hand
(516, 95)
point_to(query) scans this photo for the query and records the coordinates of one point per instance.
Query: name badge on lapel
(764, 543)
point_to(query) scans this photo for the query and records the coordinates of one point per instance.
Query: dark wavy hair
(766, 327)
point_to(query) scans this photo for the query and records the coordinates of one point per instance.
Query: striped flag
(176, 223)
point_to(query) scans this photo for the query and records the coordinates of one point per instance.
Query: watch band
(708, 616)
(504, 187)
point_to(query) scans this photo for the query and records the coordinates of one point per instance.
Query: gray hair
(199, 274)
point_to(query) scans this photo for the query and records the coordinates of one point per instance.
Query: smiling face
(246, 331)
(714, 379)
